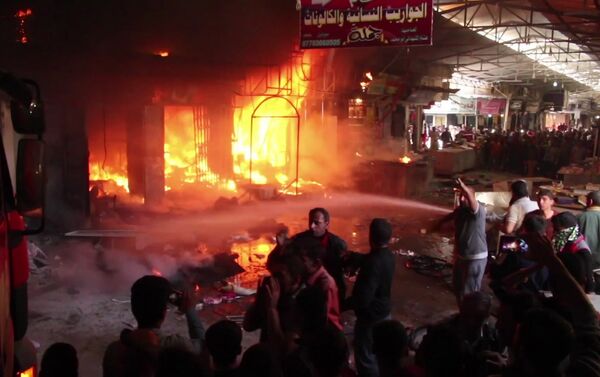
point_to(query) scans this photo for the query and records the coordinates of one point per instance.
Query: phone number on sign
(322, 43)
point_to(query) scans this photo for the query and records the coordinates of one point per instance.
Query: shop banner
(493, 106)
(364, 23)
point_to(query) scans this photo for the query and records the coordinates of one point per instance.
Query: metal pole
(406, 124)
(419, 126)
(505, 126)
(596, 131)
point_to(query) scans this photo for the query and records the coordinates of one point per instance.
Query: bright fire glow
(108, 173)
(187, 137)
(405, 160)
(274, 135)
(23, 13)
(28, 373)
(253, 254)
(162, 53)
(186, 149)
(156, 272)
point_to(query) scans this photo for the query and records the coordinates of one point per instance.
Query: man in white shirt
(520, 205)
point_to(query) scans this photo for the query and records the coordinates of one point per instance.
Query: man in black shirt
(335, 247)
(371, 295)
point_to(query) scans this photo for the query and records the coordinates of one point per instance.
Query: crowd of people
(521, 152)
(545, 326)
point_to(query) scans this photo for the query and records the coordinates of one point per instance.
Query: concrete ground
(78, 300)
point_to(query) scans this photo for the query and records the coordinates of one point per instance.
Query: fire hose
(429, 266)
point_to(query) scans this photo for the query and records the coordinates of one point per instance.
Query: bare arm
(469, 194)
(508, 227)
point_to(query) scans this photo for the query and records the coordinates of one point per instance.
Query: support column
(406, 124)
(419, 127)
(506, 120)
(154, 159)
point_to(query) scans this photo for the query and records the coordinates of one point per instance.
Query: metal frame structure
(531, 41)
(297, 117)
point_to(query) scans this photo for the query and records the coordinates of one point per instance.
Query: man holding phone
(470, 244)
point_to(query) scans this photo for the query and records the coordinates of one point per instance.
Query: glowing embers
(187, 138)
(22, 15)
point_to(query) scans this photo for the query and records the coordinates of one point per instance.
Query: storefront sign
(455, 105)
(491, 106)
(361, 23)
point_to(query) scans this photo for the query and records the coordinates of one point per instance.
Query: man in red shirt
(317, 276)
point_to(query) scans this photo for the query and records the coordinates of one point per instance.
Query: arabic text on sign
(338, 17)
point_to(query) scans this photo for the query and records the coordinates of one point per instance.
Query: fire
(28, 373)
(253, 254)
(405, 160)
(108, 173)
(185, 150)
(274, 135)
(156, 272)
(270, 150)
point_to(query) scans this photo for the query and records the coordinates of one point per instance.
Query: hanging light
(554, 84)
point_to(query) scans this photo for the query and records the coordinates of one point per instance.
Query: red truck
(22, 183)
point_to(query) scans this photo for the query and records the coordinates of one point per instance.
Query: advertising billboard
(364, 23)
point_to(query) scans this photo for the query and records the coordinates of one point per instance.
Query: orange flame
(108, 173)
(253, 253)
(405, 160)
(28, 373)
(156, 272)
(184, 143)
(21, 13)
(274, 135)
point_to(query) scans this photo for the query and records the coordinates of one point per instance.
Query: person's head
(593, 199)
(518, 190)
(59, 360)
(390, 344)
(543, 341)
(475, 310)
(564, 220)
(442, 353)
(534, 223)
(289, 272)
(282, 235)
(311, 305)
(318, 221)
(312, 254)
(149, 298)
(328, 352)
(224, 342)
(258, 361)
(179, 362)
(512, 310)
(380, 233)
(545, 199)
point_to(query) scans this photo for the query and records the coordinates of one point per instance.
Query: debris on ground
(38, 260)
(404, 253)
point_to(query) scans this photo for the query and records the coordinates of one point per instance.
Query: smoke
(215, 226)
